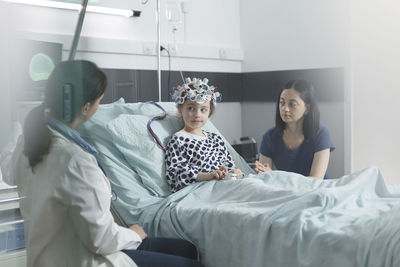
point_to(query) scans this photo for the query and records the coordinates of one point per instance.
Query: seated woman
(67, 197)
(297, 143)
(194, 155)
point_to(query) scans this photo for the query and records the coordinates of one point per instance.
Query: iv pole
(78, 30)
(158, 49)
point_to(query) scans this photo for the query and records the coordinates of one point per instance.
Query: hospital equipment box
(12, 242)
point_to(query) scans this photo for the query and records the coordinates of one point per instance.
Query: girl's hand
(217, 174)
(259, 167)
(139, 230)
(224, 169)
(238, 172)
(220, 173)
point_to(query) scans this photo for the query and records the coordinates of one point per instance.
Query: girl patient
(192, 154)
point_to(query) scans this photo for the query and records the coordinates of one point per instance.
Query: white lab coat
(7, 152)
(67, 210)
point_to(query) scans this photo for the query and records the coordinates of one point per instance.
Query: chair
(247, 148)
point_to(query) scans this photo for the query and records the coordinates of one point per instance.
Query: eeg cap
(196, 90)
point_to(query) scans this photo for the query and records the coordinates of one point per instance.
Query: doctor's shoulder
(81, 176)
(63, 147)
(72, 157)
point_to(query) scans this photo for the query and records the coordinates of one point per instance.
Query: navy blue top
(300, 159)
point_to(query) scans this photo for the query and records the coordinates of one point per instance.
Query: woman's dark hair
(87, 82)
(311, 117)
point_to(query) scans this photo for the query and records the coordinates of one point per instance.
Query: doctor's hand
(139, 230)
(259, 167)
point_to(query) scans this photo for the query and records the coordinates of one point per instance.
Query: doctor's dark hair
(88, 83)
(311, 118)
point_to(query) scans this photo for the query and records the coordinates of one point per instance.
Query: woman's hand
(259, 167)
(238, 172)
(139, 230)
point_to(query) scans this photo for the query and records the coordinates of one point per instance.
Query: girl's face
(291, 107)
(194, 115)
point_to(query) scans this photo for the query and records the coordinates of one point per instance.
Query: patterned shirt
(188, 154)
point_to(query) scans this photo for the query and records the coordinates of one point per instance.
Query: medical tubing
(162, 48)
(177, 57)
(155, 119)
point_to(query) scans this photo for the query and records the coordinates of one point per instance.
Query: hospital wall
(117, 43)
(375, 65)
(130, 43)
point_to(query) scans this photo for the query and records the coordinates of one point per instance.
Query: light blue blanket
(272, 219)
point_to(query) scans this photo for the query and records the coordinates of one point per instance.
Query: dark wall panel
(229, 84)
(126, 85)
(108, 95)
(235, 85)
(261, 86)
(121, 83)
(147, 85)
(142, 85)
(265, 86)
(168, 81)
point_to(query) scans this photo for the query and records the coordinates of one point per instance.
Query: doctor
(67, 197)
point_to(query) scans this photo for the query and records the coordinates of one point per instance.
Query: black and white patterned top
(187, 155)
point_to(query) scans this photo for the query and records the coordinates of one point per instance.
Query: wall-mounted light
(77, 7)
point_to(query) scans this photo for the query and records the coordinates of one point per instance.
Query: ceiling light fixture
(77, 7)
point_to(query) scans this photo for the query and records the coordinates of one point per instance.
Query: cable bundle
(155, 119)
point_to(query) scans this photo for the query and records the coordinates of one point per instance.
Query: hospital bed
(271, 219)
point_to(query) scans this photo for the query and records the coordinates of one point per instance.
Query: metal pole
(158, 49)
(78, 30)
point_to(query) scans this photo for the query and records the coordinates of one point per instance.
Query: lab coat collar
(70, 134)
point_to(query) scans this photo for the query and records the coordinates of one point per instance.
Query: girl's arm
(231, 167)
(320, 164)
(179, 171)
(204, 176)
(220, 147)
